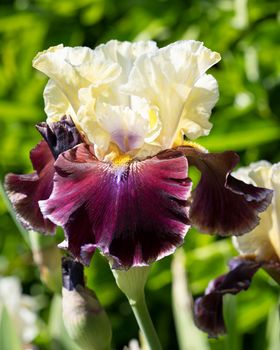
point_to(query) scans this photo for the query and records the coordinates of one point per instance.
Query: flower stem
(145, 323)
(132, 283)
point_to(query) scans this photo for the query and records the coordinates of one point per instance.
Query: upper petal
(221, 203)
(73, 68)
(56, 103)
(194, 121)
(166, 79)
(137, 212)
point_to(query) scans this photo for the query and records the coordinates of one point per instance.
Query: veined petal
(56, 103)
(221, 203)
(126, 128)
(136, 212)
(264, 240)
(25, 191)
(166, 78)
(208, 310)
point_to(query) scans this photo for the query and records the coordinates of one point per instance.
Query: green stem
(145, 323)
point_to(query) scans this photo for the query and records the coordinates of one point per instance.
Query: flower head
(131, 97)
(116, 177)
(258, 248)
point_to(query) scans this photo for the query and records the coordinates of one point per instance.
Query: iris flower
(259, 248)
(112, 169)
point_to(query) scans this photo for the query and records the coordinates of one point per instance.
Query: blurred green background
(246, 119)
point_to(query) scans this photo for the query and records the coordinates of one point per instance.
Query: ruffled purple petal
(136, 212)
(25, 191)
(208, 310)
(60, 136)
(221, 203)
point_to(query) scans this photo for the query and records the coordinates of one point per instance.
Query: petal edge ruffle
(221, 203)
(135, 213)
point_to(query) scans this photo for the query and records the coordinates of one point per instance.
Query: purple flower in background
(114, 172)
(259, 248)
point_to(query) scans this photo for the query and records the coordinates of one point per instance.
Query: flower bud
(84, 318)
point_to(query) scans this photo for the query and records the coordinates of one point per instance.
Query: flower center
(122, 159)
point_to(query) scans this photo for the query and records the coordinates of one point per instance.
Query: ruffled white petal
(166, 78)
(75, 68)
(194, 120)
(274, 234)
(124, 54)
(56, 103)
(146, 96)
(264, 240)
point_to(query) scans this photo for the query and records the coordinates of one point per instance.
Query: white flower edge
(264, 240)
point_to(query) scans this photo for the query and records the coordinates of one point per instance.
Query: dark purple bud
(222, 204)
(60, 136)
(72, 273)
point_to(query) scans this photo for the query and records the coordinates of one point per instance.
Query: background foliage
(246, 119)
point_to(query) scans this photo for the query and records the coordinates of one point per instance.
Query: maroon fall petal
(25, 191)
(136, 212)
(208, 310)
(221, 203)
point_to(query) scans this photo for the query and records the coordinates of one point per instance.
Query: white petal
(124, 54)
(195, 117)
(264, 240)
(91, 128)
(75, 68)
(56, 103)
(142, 107)
(275, 231)
(166, 77)
(126, 128)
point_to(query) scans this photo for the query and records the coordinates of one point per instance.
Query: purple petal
(136, 212)
(222, 204)
(208, 310)
(60, 136)
(25, 191)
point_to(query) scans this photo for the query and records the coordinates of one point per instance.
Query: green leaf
(9, 339)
